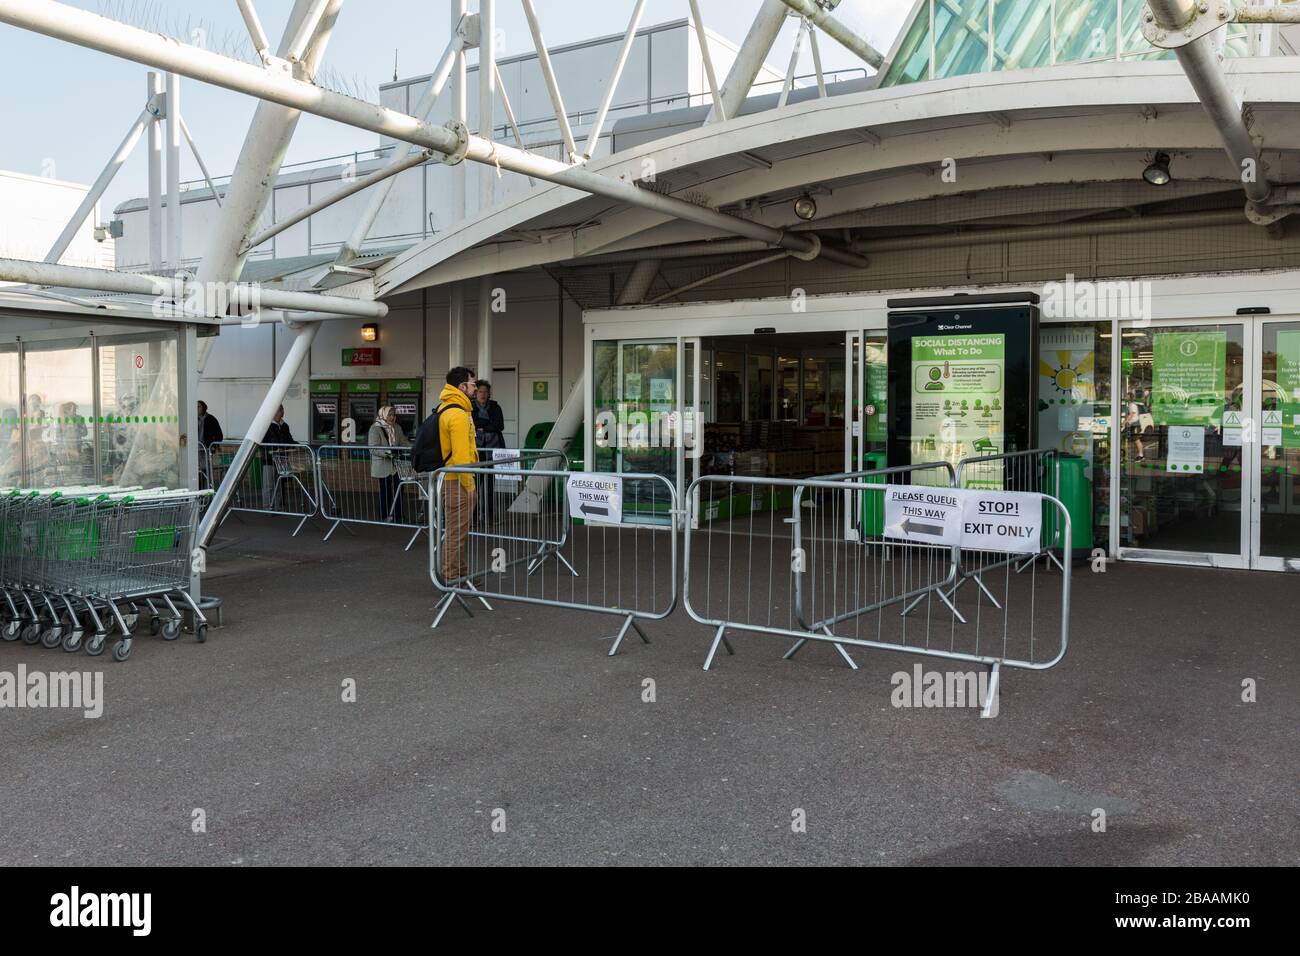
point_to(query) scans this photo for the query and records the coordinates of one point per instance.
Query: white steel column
(456, 326)
(253, 436)
(485, 286)
(105, 178)
(265, 144)
(401, 160)
(750, 58)
(173, 172)
(459, 184)
(155, 176)
(487, 95)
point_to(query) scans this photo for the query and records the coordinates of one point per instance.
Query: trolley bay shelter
(721, 245)
(95, 392)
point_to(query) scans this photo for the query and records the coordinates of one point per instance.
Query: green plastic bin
(873, 505)
(1076, 494)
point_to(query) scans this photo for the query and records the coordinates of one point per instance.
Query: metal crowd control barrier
(1039, 471)
(536, 552)
(280, 480)
(97, 552)
(352, 493)
(782, 557)
(205, 467)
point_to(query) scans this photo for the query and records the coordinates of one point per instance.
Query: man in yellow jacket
(447, 438)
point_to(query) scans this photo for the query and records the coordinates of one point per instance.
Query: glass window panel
(1085, 29)
(729, 370)
(139, 436)
(912, 61)
(11, 431)
(1074, 385)
(760, 387)
(961, 34)
(1175, 382)
(58, 414)
(1023, 33)
(1279, 449)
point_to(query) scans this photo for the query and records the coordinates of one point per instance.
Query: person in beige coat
(386, 434)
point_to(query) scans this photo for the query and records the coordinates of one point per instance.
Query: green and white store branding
(958, 397)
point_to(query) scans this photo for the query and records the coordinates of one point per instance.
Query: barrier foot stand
(338, 522)
(990, 707)
(718, 638)
(300, 524)
(481, 599)
(445, 603)
(418, 532)
(797, 645)
(628, 622)
(942, 597)
(979, 580)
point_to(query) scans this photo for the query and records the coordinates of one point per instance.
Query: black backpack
(426, 452)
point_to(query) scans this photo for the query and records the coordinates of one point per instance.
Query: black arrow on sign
(592, 509)
(909, 526)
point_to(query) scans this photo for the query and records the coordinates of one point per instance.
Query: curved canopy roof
(870, 158)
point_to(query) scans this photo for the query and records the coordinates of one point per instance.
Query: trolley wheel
(10, 632)
(32, 632)
(122, 649)
(73, 641)
(95, 646)
(171, 630)
(201, 632)
(155, 624)
(52, 636)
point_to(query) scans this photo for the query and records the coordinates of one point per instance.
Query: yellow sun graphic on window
(1069, 380)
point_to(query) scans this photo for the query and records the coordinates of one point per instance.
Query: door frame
(1255, 372)
(1213, 559)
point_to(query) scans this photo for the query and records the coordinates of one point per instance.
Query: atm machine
(363, 408)
(324, 413)
(404, 395)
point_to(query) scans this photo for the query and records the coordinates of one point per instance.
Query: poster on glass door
(1187, 376)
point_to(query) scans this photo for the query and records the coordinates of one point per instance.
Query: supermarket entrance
(782, 405)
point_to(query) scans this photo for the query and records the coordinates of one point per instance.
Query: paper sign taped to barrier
(1002, 521)
(923, 515)
(596, 498)
(505, 463)
(1009, 521)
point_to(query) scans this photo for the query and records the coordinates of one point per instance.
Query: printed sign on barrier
(978, 520)
(595, 497)
(1002, 521)
(505, 461)
(923, 515)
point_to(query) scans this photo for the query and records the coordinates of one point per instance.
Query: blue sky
(66, 108)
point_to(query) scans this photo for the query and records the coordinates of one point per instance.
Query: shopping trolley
(138, 550)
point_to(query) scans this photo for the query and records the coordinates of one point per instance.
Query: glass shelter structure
(94, 397)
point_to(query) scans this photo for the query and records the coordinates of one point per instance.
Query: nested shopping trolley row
(80, 564)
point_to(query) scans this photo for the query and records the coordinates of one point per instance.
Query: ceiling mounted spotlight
(1157, 174)
(805, 208)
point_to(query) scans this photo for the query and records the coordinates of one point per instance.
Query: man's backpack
(426, 451)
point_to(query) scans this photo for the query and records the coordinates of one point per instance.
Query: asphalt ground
(516, 717)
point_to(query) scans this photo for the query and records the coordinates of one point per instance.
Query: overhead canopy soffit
(1032, 127)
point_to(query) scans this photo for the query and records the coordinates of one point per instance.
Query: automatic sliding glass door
(1275, 519)
(1184, 474)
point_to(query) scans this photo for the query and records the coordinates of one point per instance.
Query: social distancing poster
(1187, 377)
(958, 385)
